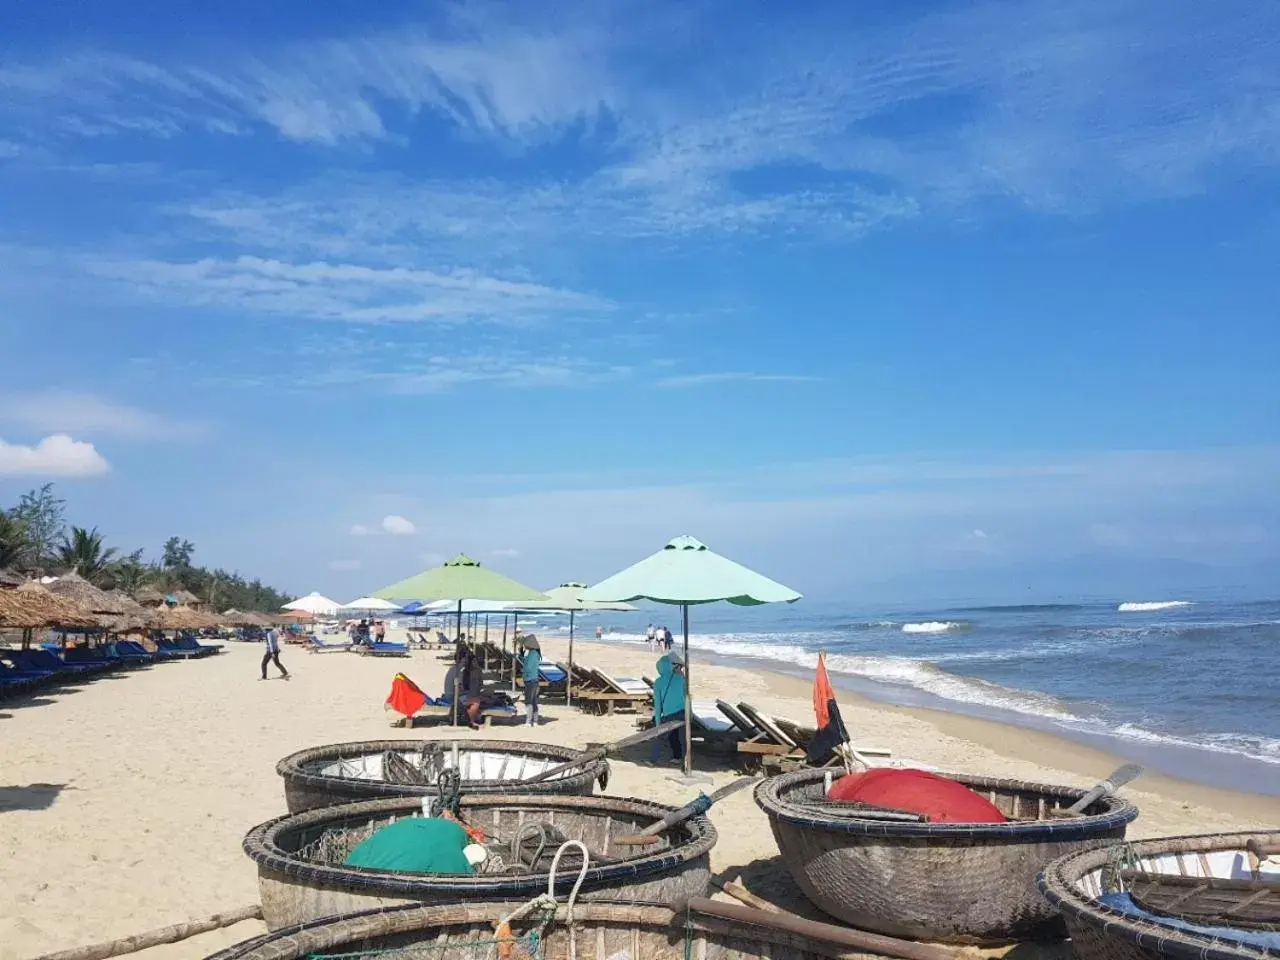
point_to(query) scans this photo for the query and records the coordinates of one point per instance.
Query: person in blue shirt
(668, 702)
(532, 678)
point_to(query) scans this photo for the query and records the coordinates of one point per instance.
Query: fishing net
(501, 945)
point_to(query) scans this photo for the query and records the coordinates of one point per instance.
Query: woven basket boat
(599, 931)
(301, 875)
(346, 772)
(956, 883)
(1075, 885)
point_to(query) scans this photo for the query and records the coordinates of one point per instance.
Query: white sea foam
(932, 626)
(1147, 606)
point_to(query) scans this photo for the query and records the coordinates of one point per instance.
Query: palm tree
(83, 552)
(13, 540)
(129, 573)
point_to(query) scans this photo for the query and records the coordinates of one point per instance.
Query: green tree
(13, 540)
(42, 515)
(83, 551)
(129, 573)
(177, 553)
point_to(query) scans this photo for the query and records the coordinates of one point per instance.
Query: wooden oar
(846, 936)
(600, 751)
(1126, 774)
(699, 805)
(154, 938)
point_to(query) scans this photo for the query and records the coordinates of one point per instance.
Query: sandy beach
(123, 801)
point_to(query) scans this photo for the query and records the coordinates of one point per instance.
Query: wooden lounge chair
(613, 694)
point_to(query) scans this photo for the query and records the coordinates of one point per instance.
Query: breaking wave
(1150, 605)
(933, 626)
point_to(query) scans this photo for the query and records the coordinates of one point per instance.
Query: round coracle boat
(585, 931)
(950, 882)
(302, 874)
(1210, 897)
(374, 769)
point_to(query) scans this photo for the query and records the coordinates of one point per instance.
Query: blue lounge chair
(36, 660)
(130, 652)
(387, 649)
(92, 656)
(16, 671)
(187, 642)
(166, 648)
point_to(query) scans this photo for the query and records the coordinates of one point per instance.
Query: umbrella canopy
(460, 579)
(468, 605)
(11, 578)
(148, 596)
(184, 598)
(371, 605)
(686, 573)
(314, 603)
(39, 608)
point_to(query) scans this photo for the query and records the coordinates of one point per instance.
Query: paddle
(1125, 774)
(601, 750)
(699, 804)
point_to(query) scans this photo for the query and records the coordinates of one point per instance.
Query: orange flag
(406, 697)
(822, 693)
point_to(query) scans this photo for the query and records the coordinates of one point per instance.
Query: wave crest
(933, 626)
(1146, 606)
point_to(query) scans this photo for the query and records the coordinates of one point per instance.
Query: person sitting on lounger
(668, 702)
(464, 681)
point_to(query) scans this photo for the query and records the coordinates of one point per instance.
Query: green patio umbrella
(569, 597)
(686, 573)
(456, 580)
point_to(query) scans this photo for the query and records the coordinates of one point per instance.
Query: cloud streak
(67, 412)
(55, 456)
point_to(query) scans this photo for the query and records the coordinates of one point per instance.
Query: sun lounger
(18, 681)
(708, 718)
(191, 643)
(36, 661)
(610, 694)
(168, 648)
(385, 649)
(322, 646)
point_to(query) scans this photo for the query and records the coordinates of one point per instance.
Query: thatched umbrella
(131, 606)
(10, 578)
(32, 607)
(85, 595)
(179, 618)
(148, 596)
(185, 598)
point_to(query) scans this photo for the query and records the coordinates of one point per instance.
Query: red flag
(822, 693)
(406, 697)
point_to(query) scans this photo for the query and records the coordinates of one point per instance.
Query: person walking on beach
(532, 678)
(651, 634)
(273, 654)
(667, 640)
(668, 703)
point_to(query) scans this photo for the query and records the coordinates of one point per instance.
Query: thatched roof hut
(86, 596)
(10, 578)
(28, 608)
(185, 598)
(180, 618)
(131, 606)
(148, 596)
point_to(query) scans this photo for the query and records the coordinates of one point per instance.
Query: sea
(1191, 689)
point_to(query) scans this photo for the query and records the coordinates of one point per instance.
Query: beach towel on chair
(406, 697)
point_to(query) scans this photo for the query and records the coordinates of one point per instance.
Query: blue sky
(853, 292)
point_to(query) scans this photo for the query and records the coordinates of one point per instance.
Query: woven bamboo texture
(306, 787)
(1101, 933)
(955, 883)
(301, 875)
(594, 931)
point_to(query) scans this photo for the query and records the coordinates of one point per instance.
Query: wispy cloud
(55, 456)
(344, 291)
(81, 413)
(398, 526)
(713, 378)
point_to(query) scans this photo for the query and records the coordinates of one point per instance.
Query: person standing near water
(532, 678)
(651, 634)
(668, 703)
(273, 654)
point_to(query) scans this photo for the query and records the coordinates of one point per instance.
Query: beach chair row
(595, 691)
(26, 671)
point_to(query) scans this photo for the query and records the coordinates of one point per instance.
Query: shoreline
(1195, 766)
(1013, 740)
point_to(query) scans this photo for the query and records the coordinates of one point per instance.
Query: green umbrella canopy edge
(459, 579)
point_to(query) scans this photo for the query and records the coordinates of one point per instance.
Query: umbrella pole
(688, 696)
(515, 648)
(457, 680)
(568, 681)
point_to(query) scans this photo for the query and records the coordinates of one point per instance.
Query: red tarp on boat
(916, 791)
(406, 697)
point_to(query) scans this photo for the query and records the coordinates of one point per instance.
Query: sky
(869, 296)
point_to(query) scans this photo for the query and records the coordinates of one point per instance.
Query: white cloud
(979, 534)
(54, 456)
(345, 564)
(398, 526)
(359, 530)
(84, 413)
(509, 552)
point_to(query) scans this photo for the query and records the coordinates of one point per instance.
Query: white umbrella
(370, 605)
(315, 604)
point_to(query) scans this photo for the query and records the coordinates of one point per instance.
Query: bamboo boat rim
(261, 845)
(770, 796)
(293, 768)
(330, 933)
(1057, 882)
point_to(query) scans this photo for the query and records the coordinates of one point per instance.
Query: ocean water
(1190, 688)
